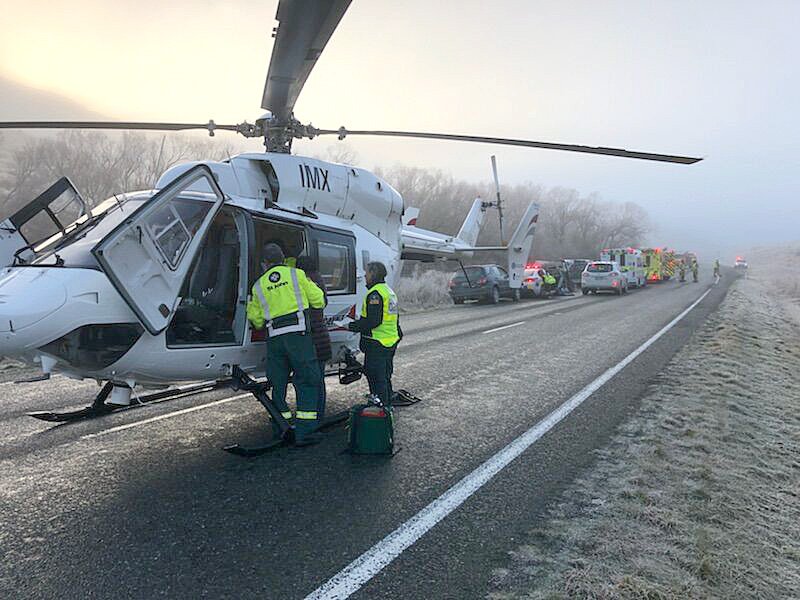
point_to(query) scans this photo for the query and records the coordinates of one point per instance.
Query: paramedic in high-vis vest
(280, 300)
(380, 331)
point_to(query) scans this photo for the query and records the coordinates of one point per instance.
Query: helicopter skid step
(100, 409)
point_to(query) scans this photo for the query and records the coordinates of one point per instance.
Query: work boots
(305, 433)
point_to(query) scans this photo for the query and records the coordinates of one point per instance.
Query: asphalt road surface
(144, 504)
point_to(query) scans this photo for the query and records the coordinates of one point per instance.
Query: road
(144, 504)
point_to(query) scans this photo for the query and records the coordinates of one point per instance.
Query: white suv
(603, 276)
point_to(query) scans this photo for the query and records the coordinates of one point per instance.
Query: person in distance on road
(319, 330)
(695, 269)
(380, 331)
(548, 282)
(280, 300)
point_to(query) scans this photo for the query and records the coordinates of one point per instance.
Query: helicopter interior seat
(207, 310)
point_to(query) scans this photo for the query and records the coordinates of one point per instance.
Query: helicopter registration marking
(314, 178)
(162, 417)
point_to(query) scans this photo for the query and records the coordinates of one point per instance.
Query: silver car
(603, 276)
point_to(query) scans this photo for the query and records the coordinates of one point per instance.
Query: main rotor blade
(305, 26)
(210, 126)
(686, 160)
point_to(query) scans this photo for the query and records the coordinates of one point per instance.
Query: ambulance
(631, 263)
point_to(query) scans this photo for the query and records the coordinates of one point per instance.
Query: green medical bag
(371, 430)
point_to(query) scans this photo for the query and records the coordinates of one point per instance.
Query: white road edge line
(504, 327)
(184, 411)
(365, 567)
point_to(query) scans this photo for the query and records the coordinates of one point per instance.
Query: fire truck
(652, 264)
(660, 264)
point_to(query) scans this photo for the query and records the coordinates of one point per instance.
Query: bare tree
(570, 225)
(342, 153)
(99, 164)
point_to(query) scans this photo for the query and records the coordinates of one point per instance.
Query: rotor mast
(304, 28)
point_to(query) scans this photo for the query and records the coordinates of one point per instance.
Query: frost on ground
(698, 495)
(11, 369)
(424, 289)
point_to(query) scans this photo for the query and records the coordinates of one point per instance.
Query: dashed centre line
(504, 327)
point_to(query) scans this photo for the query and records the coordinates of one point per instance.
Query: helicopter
(149, 288)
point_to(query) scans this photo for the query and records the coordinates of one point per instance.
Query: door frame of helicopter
(246, 350)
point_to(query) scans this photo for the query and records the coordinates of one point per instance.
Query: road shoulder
(697, 494)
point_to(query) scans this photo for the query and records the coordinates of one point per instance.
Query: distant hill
(20, 102)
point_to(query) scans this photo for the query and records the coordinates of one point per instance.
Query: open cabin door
(40, 222)
(148, 256)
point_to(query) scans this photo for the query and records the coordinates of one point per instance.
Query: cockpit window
(73, 248)
(51, 213)
(173, 226)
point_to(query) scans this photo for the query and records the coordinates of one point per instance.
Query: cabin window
(209, 311)
(336, 253)
(334, 266)
(291, 239)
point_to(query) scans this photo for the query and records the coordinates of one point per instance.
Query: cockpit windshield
(73, 247)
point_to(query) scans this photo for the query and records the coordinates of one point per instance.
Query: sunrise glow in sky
(713, 78)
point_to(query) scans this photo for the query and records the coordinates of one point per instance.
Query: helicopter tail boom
(427, 246)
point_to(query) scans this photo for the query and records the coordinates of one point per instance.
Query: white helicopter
(149, 288)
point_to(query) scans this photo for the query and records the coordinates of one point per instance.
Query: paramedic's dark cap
(272, 254)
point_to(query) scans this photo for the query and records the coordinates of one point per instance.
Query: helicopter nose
(27, 295)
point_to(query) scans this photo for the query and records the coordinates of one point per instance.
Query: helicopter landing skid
(99, 408)
(287, 439)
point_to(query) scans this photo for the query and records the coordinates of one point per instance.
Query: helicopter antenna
(497, 203)
(157, 170)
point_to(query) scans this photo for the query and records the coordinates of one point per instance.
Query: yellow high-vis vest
(387, 333)
(280, 292)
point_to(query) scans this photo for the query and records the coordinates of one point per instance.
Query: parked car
(603, 276)
(532, 283)
(486, 283)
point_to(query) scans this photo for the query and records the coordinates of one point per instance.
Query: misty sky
(711, 78)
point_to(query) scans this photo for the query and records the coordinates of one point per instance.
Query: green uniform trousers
(294, 353)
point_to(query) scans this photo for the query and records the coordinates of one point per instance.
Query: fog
(715, 79)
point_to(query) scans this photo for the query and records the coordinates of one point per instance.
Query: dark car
(575, 267)
(488, 283)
